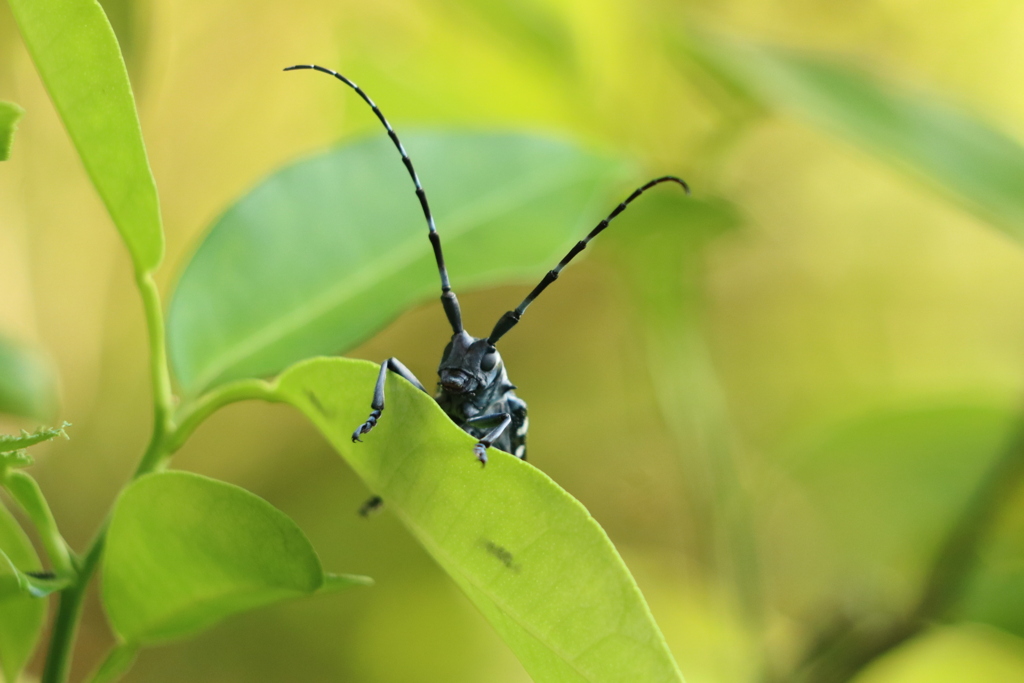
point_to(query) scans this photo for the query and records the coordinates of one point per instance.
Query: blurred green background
(777, 399)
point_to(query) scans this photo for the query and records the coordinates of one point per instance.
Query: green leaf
(11, 442)
(15, 460)
(116, 664)
(76, 53)
(33, 584)
(27, 493)
(973, 163)
(9, 115)
(28, 384)
(526, 553)
(327, 251)
(21, 615)
(184, 552)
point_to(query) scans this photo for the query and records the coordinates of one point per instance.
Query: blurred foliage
(850, 359)
(976, 164)
(9, 115)
(28, 385)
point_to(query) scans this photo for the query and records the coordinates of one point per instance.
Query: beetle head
(468, 364)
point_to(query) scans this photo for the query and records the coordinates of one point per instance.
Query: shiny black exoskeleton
(473, 387)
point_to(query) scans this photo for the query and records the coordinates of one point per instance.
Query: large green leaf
(75, 50)
(325, 252)
(28, 384)
(529, 555)
(9, 115)
(21, 614)
(975, 164)
(185, 552)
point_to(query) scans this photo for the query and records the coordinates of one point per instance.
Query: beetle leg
(483, 444)
(395, 366)
(490, 417)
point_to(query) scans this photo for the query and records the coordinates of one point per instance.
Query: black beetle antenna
(451, 304)
(511, 318)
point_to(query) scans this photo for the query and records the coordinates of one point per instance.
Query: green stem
(58, 660)
(24, 489)
(196, 413)
(65, 626)
(160, 376)
(166, 439)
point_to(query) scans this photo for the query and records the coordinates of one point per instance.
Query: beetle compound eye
(489, 360)
(447, 352)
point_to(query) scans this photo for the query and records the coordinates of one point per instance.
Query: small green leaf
(28, 384)
(33, 584)
(10, 442)
(338, 582)
(327, 251)
(975, 164)
(21, 615)
(184, 552)
(9, 115)
(524, 551)
(116, 664)
(41, 584)
(15, 460)
(76, 53)
(27, 493)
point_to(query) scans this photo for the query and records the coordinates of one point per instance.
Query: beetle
(473, 387)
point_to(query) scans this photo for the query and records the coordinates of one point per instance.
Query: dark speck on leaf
(41, 575)
(502, 554)
(372, 505)
(317, 404)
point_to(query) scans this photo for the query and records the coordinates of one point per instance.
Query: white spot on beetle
(523, 428)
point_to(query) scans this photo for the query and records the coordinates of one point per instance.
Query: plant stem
(163, 398)
(849, 651)
(58, 659)
(65, 626)
(166, 439)
(196, 413)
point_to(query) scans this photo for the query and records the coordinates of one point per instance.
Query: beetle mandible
(473, 387)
